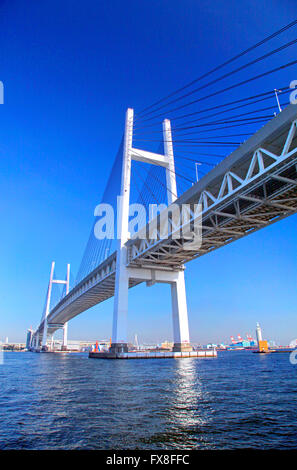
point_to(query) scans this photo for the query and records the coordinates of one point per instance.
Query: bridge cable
(227, 62)
(178, 127)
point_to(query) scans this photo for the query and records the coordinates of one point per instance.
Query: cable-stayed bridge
(250, 189)
(179, 217)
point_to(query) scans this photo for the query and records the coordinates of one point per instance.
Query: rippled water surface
(240, 399)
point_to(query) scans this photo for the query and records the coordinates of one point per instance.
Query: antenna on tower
(276, 96)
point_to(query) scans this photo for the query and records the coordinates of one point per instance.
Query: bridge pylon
(157, 273)
(46, 325)
(35, 341)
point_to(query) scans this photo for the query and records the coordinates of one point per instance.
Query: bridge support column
(36, 341)
(119, 327)
(47, 308)
(176, 279)
(120, 312)
(65, 329)
(181, 336)
(65, 337)
(44, 336)
(178, 290)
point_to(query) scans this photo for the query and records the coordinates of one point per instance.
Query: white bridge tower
(150, 275)
(35, 342)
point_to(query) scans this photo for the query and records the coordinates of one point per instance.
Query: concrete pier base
(203, 353)
(182, 347)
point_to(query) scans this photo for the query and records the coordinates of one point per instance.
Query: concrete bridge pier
(176, 280)
(36, 345)
(65, 337)
(181, 337)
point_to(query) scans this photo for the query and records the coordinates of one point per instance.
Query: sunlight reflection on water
(71, 402)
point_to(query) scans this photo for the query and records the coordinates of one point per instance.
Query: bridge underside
(262, 204)
(96, 293)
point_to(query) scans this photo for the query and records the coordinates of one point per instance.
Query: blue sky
(70, 70)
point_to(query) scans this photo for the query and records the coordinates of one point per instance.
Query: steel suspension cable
(228, 74)
(231, 87)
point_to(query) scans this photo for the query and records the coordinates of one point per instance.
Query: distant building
(167, 345)
(98, 345)
(242, 344)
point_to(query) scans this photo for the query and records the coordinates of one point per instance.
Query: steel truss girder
(259, 172)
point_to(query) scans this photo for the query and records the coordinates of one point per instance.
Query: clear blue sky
(70, 70)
